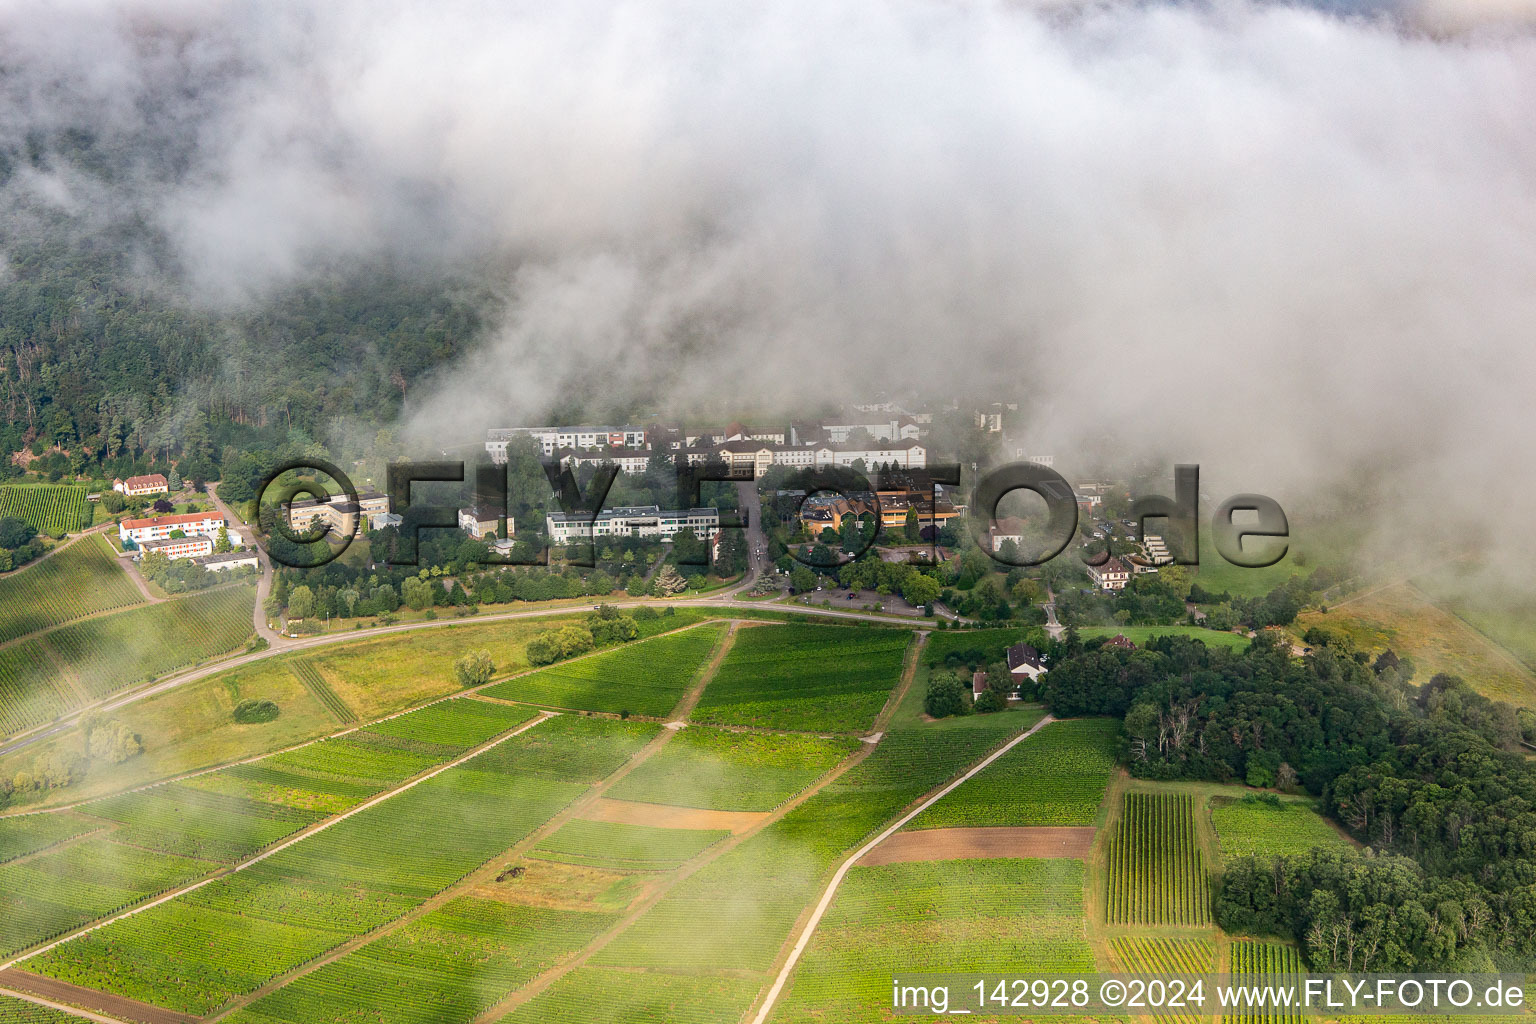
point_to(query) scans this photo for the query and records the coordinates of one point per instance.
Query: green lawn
(1139, 635)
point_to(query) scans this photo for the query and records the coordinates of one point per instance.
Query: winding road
(279, 644)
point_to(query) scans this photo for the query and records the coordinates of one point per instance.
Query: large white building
(146, 531)
(743, 454)
(552, 439)
(631, 521)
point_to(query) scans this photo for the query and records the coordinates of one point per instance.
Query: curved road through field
(279, 644)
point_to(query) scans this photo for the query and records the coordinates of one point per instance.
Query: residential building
(648, 521)
(1024, 663)
(139, 486)
(552, 439)
(629, 463)
(179, 547)
(145, 531)
(1112, 575)
(1005, 530)
(978, 684)
(228, 560)
(1121, 641)
(381, 520)
(481, 521)
(342, 515)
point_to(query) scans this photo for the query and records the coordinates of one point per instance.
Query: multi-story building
(341, 515)
(146, 531)
(649, 521)
(179, 547)
(480, 521)
(552, 439)
(1112, 575)
(139, 486)
(758, 457)
(630, 463)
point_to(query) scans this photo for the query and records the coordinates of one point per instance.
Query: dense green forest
(1428, 778)
(104, 371)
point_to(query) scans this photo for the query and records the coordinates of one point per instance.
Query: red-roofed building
(138, 486)
(144, 531)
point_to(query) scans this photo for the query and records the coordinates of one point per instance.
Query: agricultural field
(595, 995)
(622, 847)
(306, 673)
(1156, 871)
(115, 652)
(958, 915)
(48, 508)
(1475, 595)
(1403, 618)
(28, 833)
(20, 1011)
(805, 678)
(45, 896)
(82, 579)
(736, 912)
(197, 823)
(642, 677)
(1056, 777)
(1253, 962)
(193, 725)
(1158, 955)
(449, 965)
(196, 952)
(32, 690)
(1250, 826)
(1141, 634)
(729, 771)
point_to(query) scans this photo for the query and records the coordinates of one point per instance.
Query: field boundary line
(73, 1011)
(707, 672)
(666, 883)
(181, 677)
(476, 877)
(837, 878)
(298, 837)
(344, 730)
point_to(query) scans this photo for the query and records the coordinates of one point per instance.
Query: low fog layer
(1291, 243)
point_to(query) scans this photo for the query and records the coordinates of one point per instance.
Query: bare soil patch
(632, 812)
(102, 1002)
(981, 844)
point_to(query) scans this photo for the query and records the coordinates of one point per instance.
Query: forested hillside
(103, 369)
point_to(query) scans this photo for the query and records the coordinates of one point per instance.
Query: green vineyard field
(1156, 955)
(1056, 777)
(961, 916)
(27, 833)
(727, 771)
(1156, 872)
(608, 844)
(643, 677)
(805, 678)
(1256, 962)
(450, 965)
(114, 652)
(82, 579)
(1252, 827)
(227, 938)
(53, 510)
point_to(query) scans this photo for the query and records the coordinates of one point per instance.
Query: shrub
(249, 712)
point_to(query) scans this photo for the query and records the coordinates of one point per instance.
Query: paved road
(263, 586)
(1052, 626)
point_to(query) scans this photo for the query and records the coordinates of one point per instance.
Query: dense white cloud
(1271, 238)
